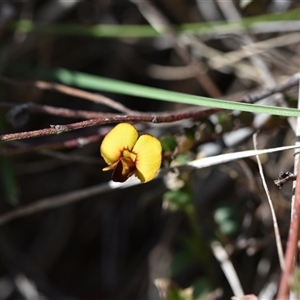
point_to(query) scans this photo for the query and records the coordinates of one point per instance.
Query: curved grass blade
(98, 83)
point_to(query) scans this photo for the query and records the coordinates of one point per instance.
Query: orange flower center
(125, 167)
(128, 154)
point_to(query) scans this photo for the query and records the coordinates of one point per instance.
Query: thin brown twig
(254, 97)
(292, 243)
(53, 202)
(64, 89)
(293, 236)
(273, 214)
(152, 117)
(50, 110)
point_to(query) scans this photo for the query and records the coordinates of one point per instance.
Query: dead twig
(293, 236)
(283, 178)
(274, 218)
(55, 201)
(291, 248)
(64, 89)
(16, 109)
(152, 117)
(254, 97)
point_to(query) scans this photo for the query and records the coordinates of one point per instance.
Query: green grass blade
(245, 23)
(97, 31)
(87, 81)
(146, 31)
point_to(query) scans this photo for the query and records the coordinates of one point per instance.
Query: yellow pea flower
(126, 153)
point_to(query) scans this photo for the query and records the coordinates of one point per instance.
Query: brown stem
(64, 89)
(154, 118)
(254, 97)
(50, 110)
(291, 248)
(53, 202)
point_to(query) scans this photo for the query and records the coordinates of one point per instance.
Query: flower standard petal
(121, 137)
(148, 157)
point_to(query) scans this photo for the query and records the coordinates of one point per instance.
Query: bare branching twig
(151, 117)
(16, 109)
(67, 90)
(291, 249)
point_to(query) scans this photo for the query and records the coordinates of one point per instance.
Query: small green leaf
(168, 143)
(177, 199)
(225, 217)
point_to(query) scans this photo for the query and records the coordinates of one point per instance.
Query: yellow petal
(148, 157)
(121, 137)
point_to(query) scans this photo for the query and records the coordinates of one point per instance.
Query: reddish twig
(50, 110)
(152, 117)
(292, 243)
(44, 85)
